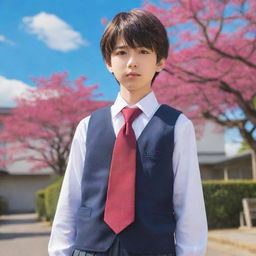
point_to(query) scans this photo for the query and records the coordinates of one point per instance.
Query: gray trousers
(115, 250)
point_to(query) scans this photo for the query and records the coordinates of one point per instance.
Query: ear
(109, 67)
(160, 65)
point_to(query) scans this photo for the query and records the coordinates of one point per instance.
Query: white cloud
(9, 89)
(232, 148)
(3, 39)
(54, 32)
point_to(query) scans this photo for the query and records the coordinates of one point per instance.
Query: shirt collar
(148, 104)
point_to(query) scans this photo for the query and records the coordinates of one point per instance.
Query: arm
(191, 228)
(63, 229)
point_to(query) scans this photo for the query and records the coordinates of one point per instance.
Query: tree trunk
(253, 165)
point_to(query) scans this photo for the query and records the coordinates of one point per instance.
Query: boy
(132, 184)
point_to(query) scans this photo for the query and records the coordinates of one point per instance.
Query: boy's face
(140, 60)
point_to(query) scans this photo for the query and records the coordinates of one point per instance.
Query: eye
(144, 51)
(120, 53)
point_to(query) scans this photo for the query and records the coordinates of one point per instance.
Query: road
(22, 235)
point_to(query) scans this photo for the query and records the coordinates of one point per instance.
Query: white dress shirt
(188, 202)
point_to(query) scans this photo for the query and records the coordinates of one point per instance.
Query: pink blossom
(40, 129)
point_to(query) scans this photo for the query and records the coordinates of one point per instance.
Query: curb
(243, 245)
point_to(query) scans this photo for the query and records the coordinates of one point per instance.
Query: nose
(132, 61)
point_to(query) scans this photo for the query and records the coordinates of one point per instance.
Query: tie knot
(130, 114)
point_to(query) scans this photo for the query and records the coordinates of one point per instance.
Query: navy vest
(154, 226)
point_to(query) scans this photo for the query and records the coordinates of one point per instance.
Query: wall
(19, 190)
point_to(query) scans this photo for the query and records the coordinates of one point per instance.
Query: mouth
(133, 74)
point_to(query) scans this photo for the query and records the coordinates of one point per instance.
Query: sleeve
(191, 224)
(63, 229)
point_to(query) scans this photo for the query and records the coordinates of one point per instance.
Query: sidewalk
(23, 235)
(240, 238)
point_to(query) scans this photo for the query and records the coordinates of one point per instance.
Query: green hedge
(3, 206)
(47, 199)
(51, 199)
(40, 204)
(223, 201)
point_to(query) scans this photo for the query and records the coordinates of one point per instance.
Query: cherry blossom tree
(40, 129)
(211, 69)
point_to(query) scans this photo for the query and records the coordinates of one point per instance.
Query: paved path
(242, 237)
(22, 235)
(220, 249)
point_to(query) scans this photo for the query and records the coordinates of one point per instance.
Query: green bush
(40, 204)
(3, 206)
(223, 201)
(51, 199)
(46, 201)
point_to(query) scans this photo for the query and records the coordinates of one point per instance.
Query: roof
(221, 157)
(26, 172)
(5, 111)
(3, 172)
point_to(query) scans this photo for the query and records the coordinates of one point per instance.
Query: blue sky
(30, 43)
(39, 37)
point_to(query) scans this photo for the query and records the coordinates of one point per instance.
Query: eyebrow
(121, 47)
(126, 46)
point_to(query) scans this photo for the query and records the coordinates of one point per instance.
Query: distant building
(215, 164)
(18, 185)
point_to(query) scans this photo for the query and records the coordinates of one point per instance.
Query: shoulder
(101, 111)
(170, 109)
(182, 121)
(82, 126)
(168, 114)
(184, 127)
(84, 122)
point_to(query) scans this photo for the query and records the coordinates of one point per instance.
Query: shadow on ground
(22, 235)
(18, 221)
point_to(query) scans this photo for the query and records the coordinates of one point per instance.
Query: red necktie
(120, 202)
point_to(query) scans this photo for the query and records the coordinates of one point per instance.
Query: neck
(132, 97)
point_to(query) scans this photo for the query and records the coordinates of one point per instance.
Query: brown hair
(138, 28)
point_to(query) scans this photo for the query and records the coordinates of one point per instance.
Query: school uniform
(170, 214)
